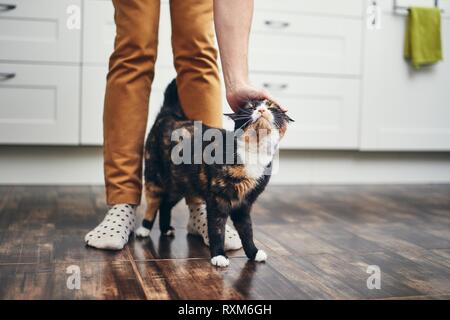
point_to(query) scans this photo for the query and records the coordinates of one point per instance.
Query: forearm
(233, 19)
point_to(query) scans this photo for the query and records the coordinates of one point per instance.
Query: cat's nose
(261, 110)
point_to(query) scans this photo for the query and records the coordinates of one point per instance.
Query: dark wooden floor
(320, 241)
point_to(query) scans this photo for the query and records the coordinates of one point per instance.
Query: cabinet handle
(277, 24)
(7, 7)
(274, 86)
(6, 76)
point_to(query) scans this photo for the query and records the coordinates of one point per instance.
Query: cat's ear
(287, 117)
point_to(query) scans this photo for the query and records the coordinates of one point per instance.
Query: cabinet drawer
(93, 93)
(37, 31)
(325, 110)
(39, 105)
(100, 30)
(353, 8)
(283, 42)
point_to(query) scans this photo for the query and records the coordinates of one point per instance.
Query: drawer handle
(7, 7)
(277, 24)
(6, 76)
(272, 86)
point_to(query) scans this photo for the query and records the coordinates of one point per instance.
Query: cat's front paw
(261, 256)
(142, 232)
(220, 261)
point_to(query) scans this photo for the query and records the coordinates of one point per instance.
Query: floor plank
(99, 280)
(320, 241)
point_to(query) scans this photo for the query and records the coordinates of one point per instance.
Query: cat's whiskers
(245, 123)
(241, 116)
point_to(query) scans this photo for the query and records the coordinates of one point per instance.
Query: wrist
(236, 84)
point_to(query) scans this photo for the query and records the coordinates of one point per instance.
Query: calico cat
(229, 187)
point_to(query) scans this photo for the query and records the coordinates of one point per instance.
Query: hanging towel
(423, 36)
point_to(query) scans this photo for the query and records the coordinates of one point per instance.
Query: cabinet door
(93, 92)
(294, 43)
(325, 110)
(39, 104)
(100, 29)
(37, 31)
(404, 108)
(351, 8)
(93, 86)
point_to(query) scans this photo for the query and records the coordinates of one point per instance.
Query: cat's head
(261, 114)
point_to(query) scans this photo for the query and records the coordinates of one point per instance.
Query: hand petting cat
(239, 95)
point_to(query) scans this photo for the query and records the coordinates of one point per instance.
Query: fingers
(234, 104)
(264, 94)
(237, 98)
(267, 95)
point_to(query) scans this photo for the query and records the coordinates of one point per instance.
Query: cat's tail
(171, 104)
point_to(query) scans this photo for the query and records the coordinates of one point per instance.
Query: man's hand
(238, 96)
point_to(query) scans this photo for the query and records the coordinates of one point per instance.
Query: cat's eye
(274, 109)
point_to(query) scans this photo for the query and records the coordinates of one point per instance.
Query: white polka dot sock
(198, 225)
(113, 232)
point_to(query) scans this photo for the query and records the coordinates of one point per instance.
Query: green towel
(423, 36)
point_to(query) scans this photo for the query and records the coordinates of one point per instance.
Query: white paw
(220, 261)
(261, 256)
(142, 232)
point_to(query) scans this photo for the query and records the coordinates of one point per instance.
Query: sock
(198, 225)
(113, 232)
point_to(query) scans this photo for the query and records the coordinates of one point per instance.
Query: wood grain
(320, 241)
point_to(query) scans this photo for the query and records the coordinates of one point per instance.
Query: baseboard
(83, 165)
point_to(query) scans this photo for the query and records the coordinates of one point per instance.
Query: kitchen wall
(362, 114)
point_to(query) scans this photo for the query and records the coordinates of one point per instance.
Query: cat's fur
(228, 189)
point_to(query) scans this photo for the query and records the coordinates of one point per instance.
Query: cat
(229, 187)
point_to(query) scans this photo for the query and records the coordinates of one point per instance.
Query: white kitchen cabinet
(37, 31)
(403, 108)
(325, 47)
(347, 87)
(98, 44)
(99, 33)
(284, 42)
(93, 85)
(347, 8)
(39, 104)
(325, 110)
(99, 30)
(93, 88)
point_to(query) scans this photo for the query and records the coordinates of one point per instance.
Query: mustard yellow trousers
(130, 76)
